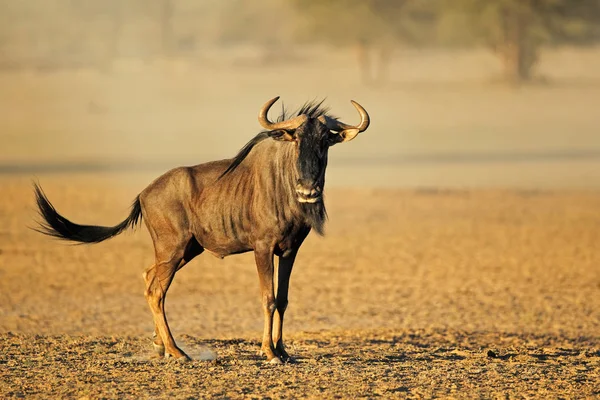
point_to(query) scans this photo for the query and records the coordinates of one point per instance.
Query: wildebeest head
(312, 132)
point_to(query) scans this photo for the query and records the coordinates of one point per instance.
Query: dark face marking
(312, 140)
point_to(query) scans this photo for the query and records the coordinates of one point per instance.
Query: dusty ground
(331, 364)
(412, 293)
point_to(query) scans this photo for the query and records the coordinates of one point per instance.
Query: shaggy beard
(315, 216)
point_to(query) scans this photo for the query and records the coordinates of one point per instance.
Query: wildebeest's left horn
(288, 124)
(348, 132)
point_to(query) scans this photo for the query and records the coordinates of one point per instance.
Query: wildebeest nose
(307, 190)
(303, 190)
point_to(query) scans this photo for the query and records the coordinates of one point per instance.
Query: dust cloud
(90, 87)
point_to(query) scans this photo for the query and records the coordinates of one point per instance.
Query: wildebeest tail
(56, 225)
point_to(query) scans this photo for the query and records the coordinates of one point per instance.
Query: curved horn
(288, 124)
(349, 132)
(338, 126)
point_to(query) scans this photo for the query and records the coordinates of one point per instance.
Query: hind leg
(158, 279)
(192, 250)
(165, 205)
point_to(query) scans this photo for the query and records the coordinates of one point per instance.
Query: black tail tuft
(56, 225)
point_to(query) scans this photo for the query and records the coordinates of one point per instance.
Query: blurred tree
(516, 29)
(266, 23)
(372, 26)
(88, 12)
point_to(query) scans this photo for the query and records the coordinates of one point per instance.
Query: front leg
(281, 302)
(264, 264)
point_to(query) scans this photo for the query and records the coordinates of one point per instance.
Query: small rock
(492, 354)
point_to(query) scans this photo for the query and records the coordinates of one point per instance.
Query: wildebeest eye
(281, 134)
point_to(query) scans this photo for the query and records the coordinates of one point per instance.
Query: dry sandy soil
(411, 294)
(416, 292)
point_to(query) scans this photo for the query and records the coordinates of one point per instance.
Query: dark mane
(313, 109)
(243, 153)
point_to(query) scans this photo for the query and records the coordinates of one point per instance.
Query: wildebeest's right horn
(288, 124)
(348, 132)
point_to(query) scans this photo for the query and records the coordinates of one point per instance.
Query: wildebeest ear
(282, 134)
(334, 138)
(345, 136)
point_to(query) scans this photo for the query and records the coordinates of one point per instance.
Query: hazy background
(461, 93)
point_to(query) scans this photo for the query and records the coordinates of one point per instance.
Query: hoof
(159, 349)
(281, 353)
(275, 361)
(183, 358)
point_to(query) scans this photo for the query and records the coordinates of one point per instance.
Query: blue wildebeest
(266, 200)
